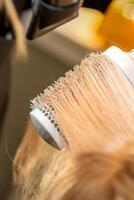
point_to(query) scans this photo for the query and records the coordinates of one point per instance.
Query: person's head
(94, 106)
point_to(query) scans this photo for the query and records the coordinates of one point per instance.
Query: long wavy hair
(94, 105)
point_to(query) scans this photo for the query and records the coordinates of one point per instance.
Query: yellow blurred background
(96, 30)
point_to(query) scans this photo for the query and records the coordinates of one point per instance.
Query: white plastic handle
(124, 60)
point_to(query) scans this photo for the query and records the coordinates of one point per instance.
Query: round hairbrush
(43, 115)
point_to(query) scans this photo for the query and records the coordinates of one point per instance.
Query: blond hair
(17, 26)
(94, 107)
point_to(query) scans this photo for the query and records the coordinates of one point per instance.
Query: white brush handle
(124, 60)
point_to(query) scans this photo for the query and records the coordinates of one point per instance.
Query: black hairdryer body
(47, 14)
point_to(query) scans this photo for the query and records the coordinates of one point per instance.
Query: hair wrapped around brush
(94, 106)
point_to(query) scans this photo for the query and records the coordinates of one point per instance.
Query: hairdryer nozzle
(49, 14)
